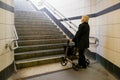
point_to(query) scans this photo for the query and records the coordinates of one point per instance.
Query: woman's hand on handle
(70, 40)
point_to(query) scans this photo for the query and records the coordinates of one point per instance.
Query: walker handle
(68, 41)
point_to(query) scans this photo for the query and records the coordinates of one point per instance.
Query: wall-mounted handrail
(12, 44)
(15, 40)
(61, 16)
(94, 40)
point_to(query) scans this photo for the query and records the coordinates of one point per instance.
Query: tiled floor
(58, 72)
(27, 72)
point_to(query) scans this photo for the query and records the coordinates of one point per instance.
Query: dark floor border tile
(7, 72)
(6, 6)
(112, 68)
(91, 55)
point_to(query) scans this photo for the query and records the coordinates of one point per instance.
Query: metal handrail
(15, 40)
(61, 16)
(96, 40)
(13, 44)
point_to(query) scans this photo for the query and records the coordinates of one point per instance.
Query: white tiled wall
(109, 32)
(106, 27)
(103, 4)
(6, 36)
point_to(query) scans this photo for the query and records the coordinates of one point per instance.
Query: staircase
(40, 41)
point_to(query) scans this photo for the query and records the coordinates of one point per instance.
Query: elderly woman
(81, 40)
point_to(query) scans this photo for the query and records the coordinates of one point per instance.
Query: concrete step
(47, 27)
(29, 12)
(32, 21)
(39, 53)
(39, 47)
(28, 15)
(30, 18)
(36, 29)
(40, 42)
(40, 33)
(38, 37)
(35, 25)
(37, 61)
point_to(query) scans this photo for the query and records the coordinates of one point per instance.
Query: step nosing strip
(42, 45)
(36, 59)
(42, 51)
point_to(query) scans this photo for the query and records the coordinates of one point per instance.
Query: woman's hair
(86, 18)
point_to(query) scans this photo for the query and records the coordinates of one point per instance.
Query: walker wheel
(63, 61)
(87, 62)
(74, 66)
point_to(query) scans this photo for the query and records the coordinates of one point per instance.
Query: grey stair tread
(47, 23)
(29, 21)
(20, 27)
(39, 21)
(27, 36)
(42, 40)
(39, 47)
(40, 36)
(35, 26)
(29, 16)
(38, 59)
(29, 12)
(32, 19)
(44, 24)
(39, 51)
(38, 29)
(27, 25)
(41, 33)
(42, 45)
